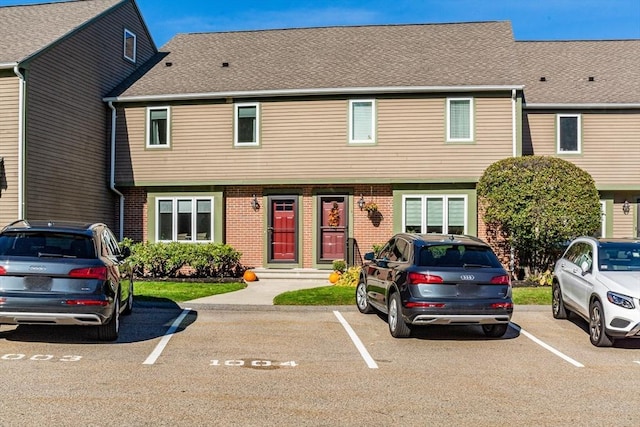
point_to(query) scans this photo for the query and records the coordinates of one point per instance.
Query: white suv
(599, 279)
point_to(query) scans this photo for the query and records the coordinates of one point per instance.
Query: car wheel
(597, 324)
(397, 325)
(557, 304)
(109, 331)
(361, 297)
(129, 307)
(495, 331)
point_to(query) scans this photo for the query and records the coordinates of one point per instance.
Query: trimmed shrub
(174, 259)
(535, 204)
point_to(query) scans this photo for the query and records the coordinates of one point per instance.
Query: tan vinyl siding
(610, 144)
(9, 130)
(308, 140)
(67, 157)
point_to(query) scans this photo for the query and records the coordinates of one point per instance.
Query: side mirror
(369, 256)
(585, 267)
(125, 252)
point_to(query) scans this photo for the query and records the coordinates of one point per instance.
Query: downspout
(21, 92)
(514, 122)
(112, 174)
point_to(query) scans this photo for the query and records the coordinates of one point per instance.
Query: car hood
(626, 282)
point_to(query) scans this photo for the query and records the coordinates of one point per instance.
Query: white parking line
(548, 347)
(165, 339)
(356, 341)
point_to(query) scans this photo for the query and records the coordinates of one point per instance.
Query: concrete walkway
(260, 292)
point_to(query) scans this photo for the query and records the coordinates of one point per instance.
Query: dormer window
(130, 45)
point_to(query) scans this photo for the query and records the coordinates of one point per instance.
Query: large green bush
(174, 259)
(535, 204)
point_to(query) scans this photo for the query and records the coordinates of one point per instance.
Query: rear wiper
(50, 255)
(475, 266)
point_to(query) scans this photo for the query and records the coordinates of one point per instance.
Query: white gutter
(514, 134)
(8, 65)
(21, 92)
(112, 173)
(581, 106)
(301, 92)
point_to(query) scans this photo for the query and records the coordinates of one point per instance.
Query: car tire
(129, 307)
(361, 297)
(557, 303)
(109, 331)
(495, 331)
(597, 323)
(397, 326)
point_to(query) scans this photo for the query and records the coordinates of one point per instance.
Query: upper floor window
(158, 127)
(435, 214)
(247, 124)
(459, 119)
(568, 128)
(130, 45)
(187, 219)
(362, 121)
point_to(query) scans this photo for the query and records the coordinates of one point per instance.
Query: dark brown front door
(283, 236)
(333, 227)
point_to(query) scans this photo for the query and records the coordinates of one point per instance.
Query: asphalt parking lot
(318, 366)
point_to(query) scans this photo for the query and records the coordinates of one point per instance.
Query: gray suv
(61, 273)
(433, 279)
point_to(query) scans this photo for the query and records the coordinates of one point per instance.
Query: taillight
(501, 280)
(90, 302)
(3, 271)
(89, 273)
(505, 305)
(423, 279)
(425, 304)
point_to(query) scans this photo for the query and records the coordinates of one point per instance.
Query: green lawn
(181, 291)
(325, 295)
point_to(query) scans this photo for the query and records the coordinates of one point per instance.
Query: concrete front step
(305, 275)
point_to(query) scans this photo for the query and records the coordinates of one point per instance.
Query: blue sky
(530, 19)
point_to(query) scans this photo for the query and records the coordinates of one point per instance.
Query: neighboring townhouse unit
(57, 62)
(274, 141)
(582, 104)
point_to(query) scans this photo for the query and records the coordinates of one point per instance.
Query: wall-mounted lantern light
(361, 202)
(254, 203)
(626, 207)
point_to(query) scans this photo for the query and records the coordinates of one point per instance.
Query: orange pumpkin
(249, 276)
(334, 277)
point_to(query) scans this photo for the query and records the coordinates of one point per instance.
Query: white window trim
(471, 120)
(174, 218)
(373, 122)
(148, 127)
(129, 33)
(445, 209)
(236, 107)
(578, 130)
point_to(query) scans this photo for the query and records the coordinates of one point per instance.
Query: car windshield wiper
(475, 266)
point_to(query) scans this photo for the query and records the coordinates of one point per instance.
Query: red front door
(283, 236)
(333, 227)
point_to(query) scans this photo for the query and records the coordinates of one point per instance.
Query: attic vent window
(225, 65)
(543, 79)
(130, 45)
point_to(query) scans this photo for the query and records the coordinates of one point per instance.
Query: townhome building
(57, 62)
(582, 104)
(280, 142)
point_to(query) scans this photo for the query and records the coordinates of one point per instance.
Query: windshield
(457, 256)
(619, 256)
(41, 244)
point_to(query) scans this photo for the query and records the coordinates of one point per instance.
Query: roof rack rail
(23, 221)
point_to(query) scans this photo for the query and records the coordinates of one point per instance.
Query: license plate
(37, 283)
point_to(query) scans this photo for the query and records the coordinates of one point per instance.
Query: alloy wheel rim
(360, 296)
(596, 323)
(393, 316)
(556, 300)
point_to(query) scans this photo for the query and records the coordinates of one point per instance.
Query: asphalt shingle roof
(567, 66)
(26, 30)
(458, 54)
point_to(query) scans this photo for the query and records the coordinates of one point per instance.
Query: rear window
(39, 244)
(457, 256)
